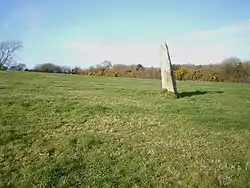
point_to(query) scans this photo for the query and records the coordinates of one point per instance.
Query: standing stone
(167, 74)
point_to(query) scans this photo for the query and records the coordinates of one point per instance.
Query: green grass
(75, 131)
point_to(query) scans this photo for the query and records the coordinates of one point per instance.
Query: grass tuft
(169, 95)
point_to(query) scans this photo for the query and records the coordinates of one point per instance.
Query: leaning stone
(167, 74)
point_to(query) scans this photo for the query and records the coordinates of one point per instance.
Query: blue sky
(84, 33)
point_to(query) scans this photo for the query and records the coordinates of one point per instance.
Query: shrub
(100, 73)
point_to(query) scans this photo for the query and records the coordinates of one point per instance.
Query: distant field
(76, 131)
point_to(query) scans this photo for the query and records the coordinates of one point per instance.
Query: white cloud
(116, 53)
(201, 47)
(233, 30)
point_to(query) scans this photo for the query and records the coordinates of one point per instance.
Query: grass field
(75, 131)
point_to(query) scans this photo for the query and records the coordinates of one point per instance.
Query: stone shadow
(197, 92)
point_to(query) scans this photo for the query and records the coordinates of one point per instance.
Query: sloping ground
(75, 131)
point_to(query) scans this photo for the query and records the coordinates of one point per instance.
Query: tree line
(230, 70)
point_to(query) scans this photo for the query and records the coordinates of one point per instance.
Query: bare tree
(104, 65)
(7, 50)
(107, 64)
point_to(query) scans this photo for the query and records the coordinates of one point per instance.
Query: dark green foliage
(48, 67)
(17, 67)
